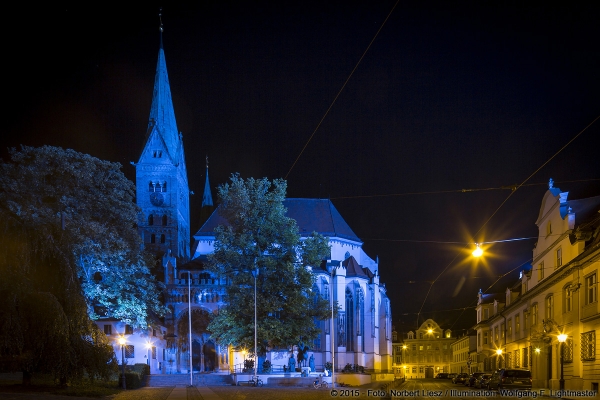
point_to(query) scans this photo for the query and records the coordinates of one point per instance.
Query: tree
(259, 235)
(69, 224)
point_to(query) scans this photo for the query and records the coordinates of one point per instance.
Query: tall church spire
(207, 197)
(207, 201)
(162, 115)
(161, 175)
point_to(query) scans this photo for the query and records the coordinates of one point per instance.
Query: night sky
(449, 96)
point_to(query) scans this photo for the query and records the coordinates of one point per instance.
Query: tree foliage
(68, 222)
(259, 235)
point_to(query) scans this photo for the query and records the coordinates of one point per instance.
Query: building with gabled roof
(363, 333)
(557, 295)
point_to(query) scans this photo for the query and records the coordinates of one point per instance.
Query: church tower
(161, 175)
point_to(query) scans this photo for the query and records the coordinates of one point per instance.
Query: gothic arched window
(349, 320)
(162, 238)
(153, 238)
(164, 220)
(151, 219)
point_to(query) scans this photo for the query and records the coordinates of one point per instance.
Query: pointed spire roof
(207, 196)
(162, 115)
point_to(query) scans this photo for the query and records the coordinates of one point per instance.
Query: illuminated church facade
(362, 330)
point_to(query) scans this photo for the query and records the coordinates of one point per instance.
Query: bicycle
(318, 385)
(256, 383)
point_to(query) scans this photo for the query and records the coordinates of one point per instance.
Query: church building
(362, 330)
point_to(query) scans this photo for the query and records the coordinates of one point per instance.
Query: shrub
(350, 368)
(142, 369)
(132, 380)
(328, 366)
(266, 367)
(248, 365)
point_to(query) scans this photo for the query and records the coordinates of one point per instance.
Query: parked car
(460, 378)
(482, 381)
(472, 378)
(510, 379)
(442, 375)
(452, 376)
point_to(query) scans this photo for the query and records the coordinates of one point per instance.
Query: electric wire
(341, 90)
(511, 187)
(500, 206)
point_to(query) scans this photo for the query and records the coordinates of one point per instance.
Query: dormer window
(549, 228)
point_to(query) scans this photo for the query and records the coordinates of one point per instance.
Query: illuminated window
(588, 346)
(558, 257)
(420, 347)
(129, 351)
(566, 299)
(550, 307)
(541, 271)
(591, 289)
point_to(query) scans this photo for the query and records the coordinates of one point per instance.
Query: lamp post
(255, 275)
(331, 270)
(562, 338)
(122, 342)
(190, 348)
(404, 347)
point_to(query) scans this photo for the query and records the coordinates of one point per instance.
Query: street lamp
(331, 270)
(478, 252)
(255, 274)
(122, 342)
(499, 353)
(562, 338)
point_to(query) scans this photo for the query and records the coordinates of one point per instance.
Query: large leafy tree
(68, 221)
(258, 235)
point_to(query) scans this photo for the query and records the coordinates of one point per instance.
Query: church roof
(162, 115)
(311, 215)
(354, 269)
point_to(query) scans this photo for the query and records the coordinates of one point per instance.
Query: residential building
(558, 294)
(428, 350)
(462, 350)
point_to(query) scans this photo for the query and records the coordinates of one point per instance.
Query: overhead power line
(508, 187)
(341, 90)
(502, 204)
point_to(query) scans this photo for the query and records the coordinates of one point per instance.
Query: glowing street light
(478, 252)
(562, 338)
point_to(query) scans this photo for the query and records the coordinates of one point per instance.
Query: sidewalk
(192, 393)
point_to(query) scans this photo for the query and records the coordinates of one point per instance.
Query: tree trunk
(26, 378)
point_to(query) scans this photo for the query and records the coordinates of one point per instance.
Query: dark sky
(450, 96)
